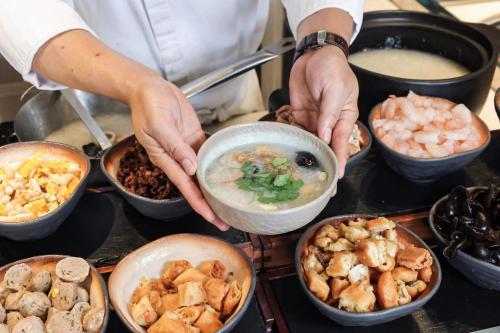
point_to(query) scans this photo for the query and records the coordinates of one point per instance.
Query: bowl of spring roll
(183, 283)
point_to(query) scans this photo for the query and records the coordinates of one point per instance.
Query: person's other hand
(166, 125)
(324, 94)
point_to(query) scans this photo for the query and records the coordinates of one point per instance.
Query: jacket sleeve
(26, 25)
(297, 10)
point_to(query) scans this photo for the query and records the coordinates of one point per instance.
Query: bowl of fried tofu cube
(40, 185)
(183, 283)
(362, 270)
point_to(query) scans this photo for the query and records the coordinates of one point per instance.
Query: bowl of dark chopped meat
(145, 186)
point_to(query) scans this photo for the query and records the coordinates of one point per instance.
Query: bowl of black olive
(467, 224)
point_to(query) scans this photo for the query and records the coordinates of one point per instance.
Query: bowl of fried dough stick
(361, 270)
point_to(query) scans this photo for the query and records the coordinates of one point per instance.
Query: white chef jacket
(180, 39)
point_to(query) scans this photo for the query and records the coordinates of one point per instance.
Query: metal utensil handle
(241, 66)
(87, 119)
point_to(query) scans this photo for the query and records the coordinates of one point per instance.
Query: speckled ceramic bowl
(265, 222)
(354, 160)
(367, 318)
(149, 260)
(47, 224)
(426, 170)
(94, 283)
(479, 272)
(168, 209)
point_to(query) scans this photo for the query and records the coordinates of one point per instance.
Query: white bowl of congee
(266, 178)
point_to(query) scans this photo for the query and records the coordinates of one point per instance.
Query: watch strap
(319, 39)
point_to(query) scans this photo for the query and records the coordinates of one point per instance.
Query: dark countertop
(104, 228)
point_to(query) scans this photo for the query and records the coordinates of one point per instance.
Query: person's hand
(166, 125)
(323, 95)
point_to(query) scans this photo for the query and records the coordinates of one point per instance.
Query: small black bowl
(426, 170)
(366, 318)
(481, 273)
(354, 160)
(168, 209)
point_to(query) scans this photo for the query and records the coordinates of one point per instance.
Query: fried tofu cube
(358, 297)
(340, 264)
(414, 257)
(337, 285)
(387, 291)
(379, 225)
(367, 252)
(317, 285)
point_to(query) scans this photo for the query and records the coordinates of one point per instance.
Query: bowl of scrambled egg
(40, 184)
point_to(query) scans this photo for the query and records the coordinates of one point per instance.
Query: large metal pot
(473, 45)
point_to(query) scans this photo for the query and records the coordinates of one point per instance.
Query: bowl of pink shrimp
(424, 138)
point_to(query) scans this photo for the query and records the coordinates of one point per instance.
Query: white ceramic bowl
(266, 222)
(149, 260)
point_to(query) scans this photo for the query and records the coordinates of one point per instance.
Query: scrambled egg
(35, 187)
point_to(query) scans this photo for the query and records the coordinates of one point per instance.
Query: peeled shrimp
(456, 135)
(442, 150)
(462, 113)
(401, 147)
(389, 108)
(424, 127)
(426, 137)
(472, 141)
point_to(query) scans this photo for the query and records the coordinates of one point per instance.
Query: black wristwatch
(319, 39)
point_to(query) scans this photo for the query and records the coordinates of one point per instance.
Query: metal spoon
(87, 119)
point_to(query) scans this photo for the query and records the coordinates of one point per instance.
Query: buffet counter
(108, 224)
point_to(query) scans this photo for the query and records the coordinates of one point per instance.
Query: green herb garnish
(271, 187)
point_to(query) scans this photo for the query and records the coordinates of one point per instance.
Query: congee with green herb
(267, 177)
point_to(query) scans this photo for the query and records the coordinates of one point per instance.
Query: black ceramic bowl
(168, 209)
(464, 43)
(45, 225)
(426, 170)
(481, 273)
(354, 160)
(367, 318)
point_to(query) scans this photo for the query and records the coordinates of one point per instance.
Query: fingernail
(188, 166)
(221, 224)
(327, 135)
